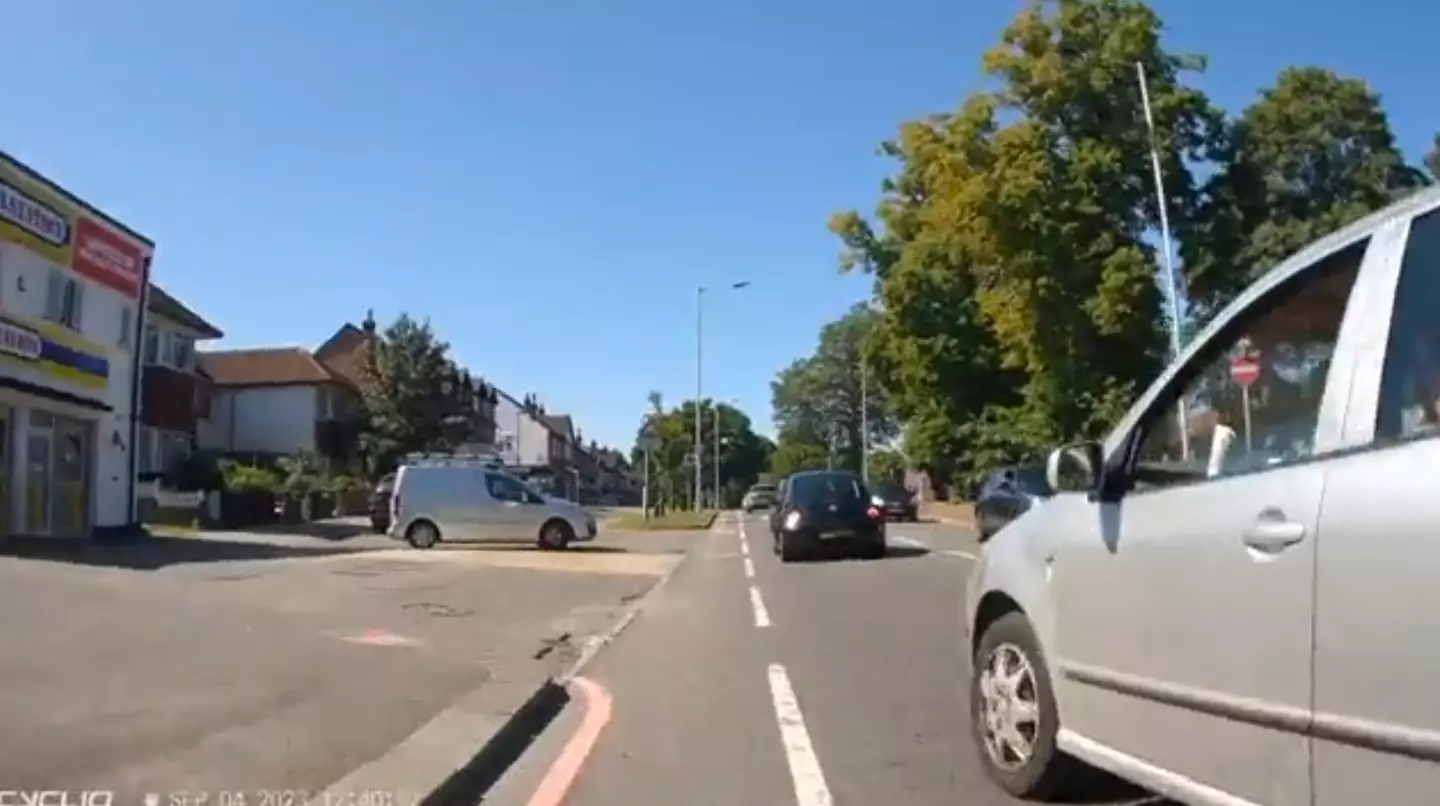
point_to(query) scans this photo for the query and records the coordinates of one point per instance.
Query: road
(232, 662)
(746, 682)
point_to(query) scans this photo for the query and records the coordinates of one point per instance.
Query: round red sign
(1244, 371)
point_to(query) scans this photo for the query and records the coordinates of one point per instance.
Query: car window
(504, 488)
(1410, 382)
(1253, 399)
(827, 486)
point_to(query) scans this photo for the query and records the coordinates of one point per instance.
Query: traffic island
(669, 522)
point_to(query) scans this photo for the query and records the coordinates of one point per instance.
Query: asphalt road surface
(746, 682)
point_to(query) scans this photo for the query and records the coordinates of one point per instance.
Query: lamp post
(699, 445)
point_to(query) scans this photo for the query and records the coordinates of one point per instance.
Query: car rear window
(827, 487)
(890, 490)
(763, 488)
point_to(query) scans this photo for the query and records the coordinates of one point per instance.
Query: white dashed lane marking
(805, 772)
(757, 603)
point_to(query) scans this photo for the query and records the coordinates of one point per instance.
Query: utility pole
(864, 422)
(699, 446)
(1171, 279)
(699, 449)
(717, 456)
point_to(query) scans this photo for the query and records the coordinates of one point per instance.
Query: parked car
(758, 497)
(380, 504)
(461, 501)
(828, 509)
(896, 502)
(1220, 601)
(1007, 494)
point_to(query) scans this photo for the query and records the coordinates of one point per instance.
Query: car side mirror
(1075, 468)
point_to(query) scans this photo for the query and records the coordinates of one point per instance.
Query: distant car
(1007, 494)
(828, 509)
(380, 504)
(759, 496)
(474, 501)
(899, 503)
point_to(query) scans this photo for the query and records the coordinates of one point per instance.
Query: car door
(1185, 589)
(1377, 705)
(514, 516)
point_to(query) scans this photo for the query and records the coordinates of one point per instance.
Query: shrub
(249, 478)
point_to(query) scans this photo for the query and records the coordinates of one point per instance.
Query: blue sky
(549, 181)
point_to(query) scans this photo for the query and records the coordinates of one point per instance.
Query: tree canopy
(818, 401)
(744, 455)
(1013, 248)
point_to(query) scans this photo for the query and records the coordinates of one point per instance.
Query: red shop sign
(108, 257)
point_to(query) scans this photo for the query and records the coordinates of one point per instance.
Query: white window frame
(152, 345)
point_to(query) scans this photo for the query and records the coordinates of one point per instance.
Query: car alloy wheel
(1010, 707)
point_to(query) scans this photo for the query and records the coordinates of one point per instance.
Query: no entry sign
(1244, 370)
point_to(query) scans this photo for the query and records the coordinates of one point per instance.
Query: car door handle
(1271, 535)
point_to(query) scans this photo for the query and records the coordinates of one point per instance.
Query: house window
(147, 449)
(179, 349)
(63, 300)
(127, 324)
(174, 446)
(152, 345)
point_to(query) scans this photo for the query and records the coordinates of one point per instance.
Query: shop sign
(16, 340)
(66, 233)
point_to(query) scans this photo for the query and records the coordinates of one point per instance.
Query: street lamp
(699, 382)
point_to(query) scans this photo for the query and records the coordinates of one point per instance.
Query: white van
(467, 501)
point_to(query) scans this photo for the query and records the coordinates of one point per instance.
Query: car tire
(555, 535)
(1009, 647)
(789, 549)
(422, 535)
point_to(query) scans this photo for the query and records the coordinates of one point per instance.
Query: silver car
(458, 501)
(1225, 600)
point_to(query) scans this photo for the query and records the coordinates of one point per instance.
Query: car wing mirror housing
(1076, 468)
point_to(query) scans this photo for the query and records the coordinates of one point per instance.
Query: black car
(774, 514)
(380, 504)
(827, 509)
(899, 503)
(1006, 494)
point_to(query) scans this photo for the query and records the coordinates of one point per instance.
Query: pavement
(243, 662)
(745, 681)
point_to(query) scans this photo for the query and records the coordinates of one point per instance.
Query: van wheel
(1013, 714)
(422, 535)
(555, 535)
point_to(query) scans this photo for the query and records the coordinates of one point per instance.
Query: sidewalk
(257, 666)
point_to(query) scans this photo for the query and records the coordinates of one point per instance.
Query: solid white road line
(762, 616)
(749, 569)
(962, 554)
(810, 786)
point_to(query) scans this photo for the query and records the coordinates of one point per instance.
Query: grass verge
(670, 521)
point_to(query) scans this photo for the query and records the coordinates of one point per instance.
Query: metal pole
(645, 491)
(699, 449)
(864, 423)
(1171, 279)
(717, 456)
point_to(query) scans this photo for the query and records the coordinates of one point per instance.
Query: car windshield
(826, 487)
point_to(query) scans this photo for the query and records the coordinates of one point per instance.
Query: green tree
(744, 455)
(412, 393)
(827, 401)
(1013, 263)
(1314, 153)
(887, 464)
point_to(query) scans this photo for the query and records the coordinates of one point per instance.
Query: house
(174, 393)
(279, 401)
(71, 285)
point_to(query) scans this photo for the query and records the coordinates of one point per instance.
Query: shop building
(72, 283)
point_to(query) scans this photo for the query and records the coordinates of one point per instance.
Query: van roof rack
(457, 459)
